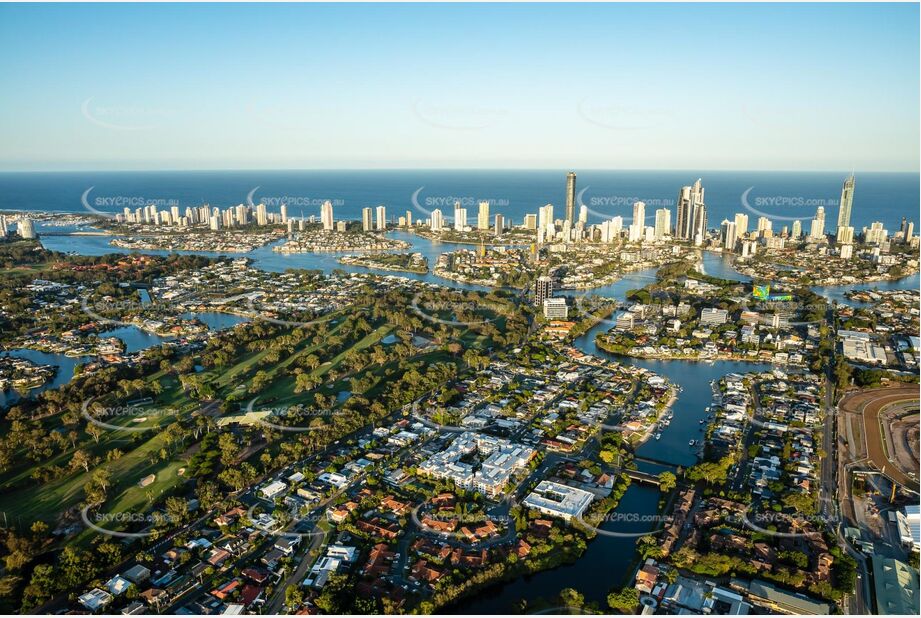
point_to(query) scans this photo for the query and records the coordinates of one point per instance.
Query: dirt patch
(904, 430)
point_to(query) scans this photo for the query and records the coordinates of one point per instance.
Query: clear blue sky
(678, 86)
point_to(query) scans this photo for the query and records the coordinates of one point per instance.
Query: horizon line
(848, 171)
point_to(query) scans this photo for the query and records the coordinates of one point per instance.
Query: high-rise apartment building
(438, 220)
(663, 223)
(482, 218)
(326, 215)
(692, 212)
(543, 289)
(571, 197)
(817, 229)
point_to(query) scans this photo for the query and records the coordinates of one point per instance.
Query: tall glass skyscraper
(571, 197)
(844, 209)
(692, 212)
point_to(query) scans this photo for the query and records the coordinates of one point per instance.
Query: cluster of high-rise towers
(690, 224)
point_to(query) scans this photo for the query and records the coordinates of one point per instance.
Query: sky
(311, 86)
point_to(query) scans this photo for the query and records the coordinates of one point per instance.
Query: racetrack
(890, 417)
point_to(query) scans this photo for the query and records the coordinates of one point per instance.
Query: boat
(692, 442)
(658, 435)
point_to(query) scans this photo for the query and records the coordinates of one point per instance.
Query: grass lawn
(46, 501)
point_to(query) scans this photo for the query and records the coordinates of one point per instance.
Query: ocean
(782, 196)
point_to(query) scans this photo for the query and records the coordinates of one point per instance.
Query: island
(399, 262)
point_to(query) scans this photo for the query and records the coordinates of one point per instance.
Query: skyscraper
(637, 230)
(530, 221)
(460, 218)
(741, 221)
(262, 217)
(817, 229)
(545, 216)
(728, 234)
(663, 223)
(571, 197)
(500, 224)
(545, 225)
(284, 213)
(482, 218)
(847, 197)
(700, 223)
(381, 218)
(326, 215)
(797, 229)
(367, 219)
(438, 220)
(692, 212)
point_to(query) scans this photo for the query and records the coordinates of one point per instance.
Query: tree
(229, 448)
(177, 510)
(571, 598)
(624, 600)
(293, 596)
(666, 481)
